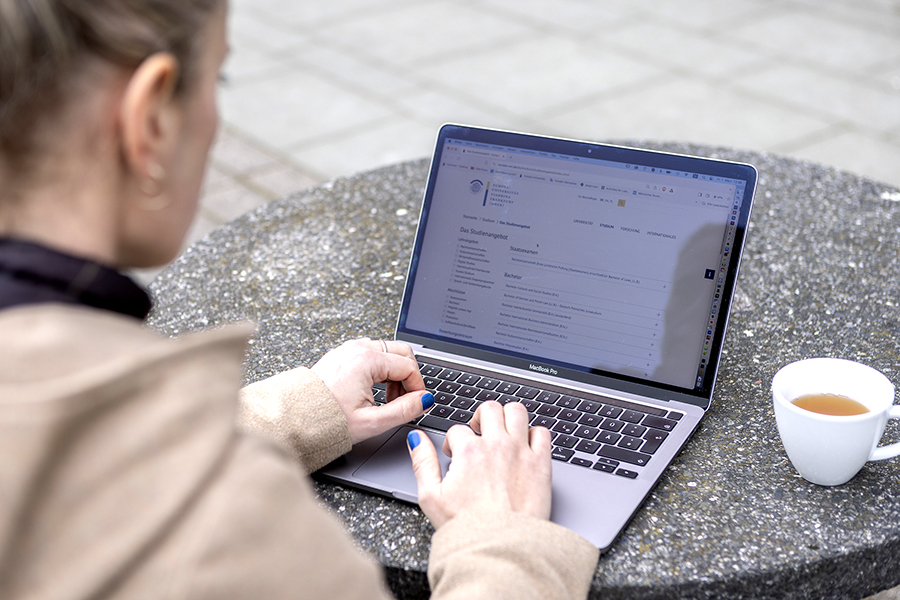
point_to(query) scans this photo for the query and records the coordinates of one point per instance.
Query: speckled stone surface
(731, 518)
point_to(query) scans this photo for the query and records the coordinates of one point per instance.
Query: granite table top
(731, 518)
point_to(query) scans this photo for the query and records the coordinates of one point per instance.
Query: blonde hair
(45, 46)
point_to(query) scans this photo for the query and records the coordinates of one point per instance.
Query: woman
(122, 472)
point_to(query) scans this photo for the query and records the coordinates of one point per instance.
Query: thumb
(402, 409)
(425, 463)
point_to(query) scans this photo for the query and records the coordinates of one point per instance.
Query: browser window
(600, 266)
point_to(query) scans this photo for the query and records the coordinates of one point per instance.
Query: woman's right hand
(507, 467)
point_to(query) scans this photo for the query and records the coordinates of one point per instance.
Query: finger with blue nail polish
(350, 371)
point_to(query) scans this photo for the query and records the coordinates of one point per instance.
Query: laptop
(590, 282)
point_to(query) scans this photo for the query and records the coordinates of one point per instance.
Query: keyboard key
(589, 407)
(487, 383)
(588, 433)
(507, 388)
(566, 441)
(548, 410)
(463, 416)
(631, 416)
(468, 379)
(505, 399)
(487, 396)
(531, 405)
(591, 420)
(467, 391)
(607, 437)
(441, 411)
(549, 397)
(629, 456)
(588, 446)
(634, 430)
(612, 425)
(568, 415)
(581, 462)
(431, 383)
(654, 439)
(659, 423)
(610, 411)
(604, 467)
(430, 370)
(565, 427)
(436, 423)
(675, 416)
(449, 374)
(463, 403)
(541, 421)
(568, 402)
(448, 386)
(650, 447)
(630, 443)
(444, 398)
(627, 473)
(655, 435)
(563, 454)
(379, 397)
(528, 392)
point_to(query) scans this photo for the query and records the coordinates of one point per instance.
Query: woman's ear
(148, 118)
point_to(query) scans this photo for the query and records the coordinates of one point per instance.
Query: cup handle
(883, 452)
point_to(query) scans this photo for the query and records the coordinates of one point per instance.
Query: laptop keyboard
(605, 434)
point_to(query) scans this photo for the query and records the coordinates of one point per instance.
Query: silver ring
(384, 346)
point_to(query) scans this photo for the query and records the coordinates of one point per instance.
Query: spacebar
(635, 458)
(436, 423)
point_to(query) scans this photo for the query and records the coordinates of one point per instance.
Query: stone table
(731, 518)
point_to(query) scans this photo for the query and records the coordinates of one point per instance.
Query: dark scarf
(34, 274)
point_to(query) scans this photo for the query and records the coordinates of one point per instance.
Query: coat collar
(34, 274)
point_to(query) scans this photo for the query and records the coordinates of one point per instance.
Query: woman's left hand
(350, 370)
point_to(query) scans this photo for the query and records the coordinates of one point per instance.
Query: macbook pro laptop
(592, 283)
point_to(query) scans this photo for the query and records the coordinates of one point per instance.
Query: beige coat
(122, 475)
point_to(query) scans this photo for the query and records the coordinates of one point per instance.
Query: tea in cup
(831, 414)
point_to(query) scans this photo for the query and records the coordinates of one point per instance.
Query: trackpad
(390, 468)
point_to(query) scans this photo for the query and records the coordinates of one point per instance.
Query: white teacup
(827, 449)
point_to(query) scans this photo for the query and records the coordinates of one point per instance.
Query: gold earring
(154, 193)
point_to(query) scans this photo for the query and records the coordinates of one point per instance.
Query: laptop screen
(578, 257)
